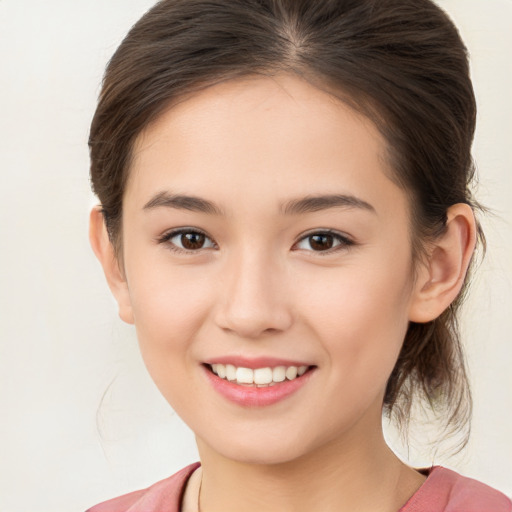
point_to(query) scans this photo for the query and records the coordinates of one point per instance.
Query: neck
(343, 475)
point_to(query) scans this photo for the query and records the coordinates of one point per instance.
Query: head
(396, 69)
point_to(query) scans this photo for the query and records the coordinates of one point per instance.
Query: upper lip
(255, 362)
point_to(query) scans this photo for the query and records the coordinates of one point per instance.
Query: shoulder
(447, 491)
(164, 496)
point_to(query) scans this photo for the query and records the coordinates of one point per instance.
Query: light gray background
(62, 347)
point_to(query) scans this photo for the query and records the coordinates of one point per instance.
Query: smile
(257, 377)
(267, 382)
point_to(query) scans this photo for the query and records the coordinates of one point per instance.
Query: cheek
(169, 306)
(364, 323)
(169, 310)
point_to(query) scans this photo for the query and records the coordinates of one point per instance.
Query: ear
(441, 276)
(102, 247)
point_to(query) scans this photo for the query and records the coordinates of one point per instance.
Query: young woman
(286, 218)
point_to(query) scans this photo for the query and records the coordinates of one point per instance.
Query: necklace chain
(199, 495)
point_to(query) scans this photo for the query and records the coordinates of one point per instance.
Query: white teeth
(244, 376)
(221, 371)
(230, 372)
(261, 377)
(291, 372)
(279, 374)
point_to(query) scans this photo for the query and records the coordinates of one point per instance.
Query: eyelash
(166, 239)
(344, 241)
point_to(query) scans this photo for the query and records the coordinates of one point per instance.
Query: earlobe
(441, 277)
(104, 251)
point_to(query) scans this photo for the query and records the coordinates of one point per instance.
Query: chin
(263, 455)
(271, 449)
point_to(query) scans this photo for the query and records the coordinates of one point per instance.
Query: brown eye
(187, 240)
(321, 242)
(191, 241)
(324, 242)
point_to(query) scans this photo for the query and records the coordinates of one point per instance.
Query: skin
(258, 287)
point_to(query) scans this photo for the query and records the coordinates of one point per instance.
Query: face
(263, 239)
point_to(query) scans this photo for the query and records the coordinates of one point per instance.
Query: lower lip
(249, 396)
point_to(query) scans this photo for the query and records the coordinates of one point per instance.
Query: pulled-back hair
(399, 62)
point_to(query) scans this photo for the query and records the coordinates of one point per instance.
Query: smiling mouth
(257, 377)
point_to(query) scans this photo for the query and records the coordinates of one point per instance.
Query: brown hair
(400, 62)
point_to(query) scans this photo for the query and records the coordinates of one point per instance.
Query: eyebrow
(183, 202)
(316, 203)
(308, 204)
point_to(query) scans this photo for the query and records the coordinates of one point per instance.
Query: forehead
(276, 136)
(292, 105)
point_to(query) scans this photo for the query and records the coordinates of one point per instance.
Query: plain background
(63, 350)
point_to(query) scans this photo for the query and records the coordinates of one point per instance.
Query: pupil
(192, 240)
(321, 242)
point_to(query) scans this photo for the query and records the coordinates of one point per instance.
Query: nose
(254, 298)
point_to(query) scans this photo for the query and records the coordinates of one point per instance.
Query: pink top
(443, 491)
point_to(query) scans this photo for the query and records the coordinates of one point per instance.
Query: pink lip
(249, 396)
(255, 362)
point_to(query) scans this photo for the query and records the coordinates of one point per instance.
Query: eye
(187, 240)
(324, 241)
